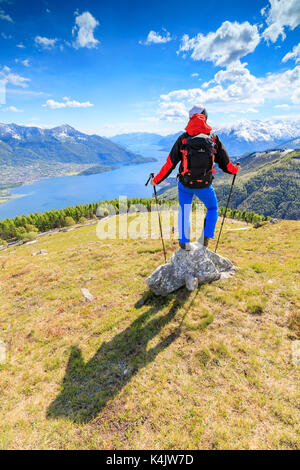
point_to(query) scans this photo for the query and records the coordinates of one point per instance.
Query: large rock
(190, 268)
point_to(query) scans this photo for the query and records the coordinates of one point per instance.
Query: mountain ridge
(240, 137)
(21, 145)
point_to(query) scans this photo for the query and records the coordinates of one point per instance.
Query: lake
(57, 193)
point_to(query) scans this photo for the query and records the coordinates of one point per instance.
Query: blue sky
(125, 66)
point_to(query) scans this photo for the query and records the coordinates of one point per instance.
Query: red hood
(198, 125)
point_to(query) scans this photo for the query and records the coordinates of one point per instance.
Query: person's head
(198, 110)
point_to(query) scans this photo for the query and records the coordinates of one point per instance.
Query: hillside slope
(268, 184)
(212, 369)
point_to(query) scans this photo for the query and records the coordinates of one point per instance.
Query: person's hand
(151, 182)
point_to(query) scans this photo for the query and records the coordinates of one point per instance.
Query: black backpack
(197, 161)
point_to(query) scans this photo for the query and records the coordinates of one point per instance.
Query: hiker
(196, 149)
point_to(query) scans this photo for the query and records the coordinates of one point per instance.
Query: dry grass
(206, 370)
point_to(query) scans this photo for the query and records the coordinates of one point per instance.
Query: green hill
(211, 369)
(268, 184)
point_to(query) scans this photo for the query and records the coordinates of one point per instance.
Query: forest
(26, 227)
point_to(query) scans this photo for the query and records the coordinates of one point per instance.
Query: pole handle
(151, 176)
(234, 176)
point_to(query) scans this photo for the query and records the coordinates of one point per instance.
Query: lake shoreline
(10, 195)
(55, 192)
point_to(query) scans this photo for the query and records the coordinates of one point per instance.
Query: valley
(29, 154)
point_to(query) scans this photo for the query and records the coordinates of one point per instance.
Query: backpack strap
(214, 152)
(184, 157)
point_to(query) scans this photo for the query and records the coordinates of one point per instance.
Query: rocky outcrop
(190, 269)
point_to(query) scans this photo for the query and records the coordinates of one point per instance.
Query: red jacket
(197, 125)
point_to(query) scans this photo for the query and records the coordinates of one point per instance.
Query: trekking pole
(159, 219)
(224, 217)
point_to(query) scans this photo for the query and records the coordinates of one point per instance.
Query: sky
(128, 66)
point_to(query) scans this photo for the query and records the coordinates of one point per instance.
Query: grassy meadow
(209, 369)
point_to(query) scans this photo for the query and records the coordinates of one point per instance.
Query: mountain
(268, 184)
(240, 137)
(20, 145)
(246, 136)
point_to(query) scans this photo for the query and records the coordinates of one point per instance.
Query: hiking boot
(185, 246)
(205, 242)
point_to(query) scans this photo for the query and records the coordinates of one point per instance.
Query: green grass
(211, 369)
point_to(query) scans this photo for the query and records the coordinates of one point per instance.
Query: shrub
(31, 228)
(28, 237)
(20, 232)
(69, 221)
(3, 242)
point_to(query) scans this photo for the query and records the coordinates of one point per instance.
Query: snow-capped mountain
(28, 133)
(245, 136)
(239, 138)
(21, 145)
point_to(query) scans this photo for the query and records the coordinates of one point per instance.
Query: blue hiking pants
(209, 199)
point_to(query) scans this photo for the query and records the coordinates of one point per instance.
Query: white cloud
(172, 111)
(13, 109)
(194, 75)
(283, 106)
(249, 110)
(286, 117)
(44, 42)
(294, 54)
(228, 44)
(85, 25)
(6, 36)
(234, 88)
(280, 14)
(66, 104)
(21, 46)
(236, 71)
(25, 62)
(150, 119)
(5, 16)
(9, 77)
(296, 96)
(157, 38)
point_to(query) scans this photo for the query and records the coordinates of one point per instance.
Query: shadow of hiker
(86, 388)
